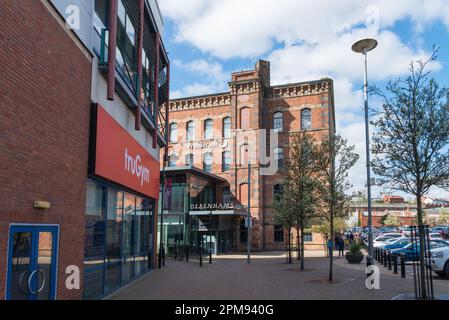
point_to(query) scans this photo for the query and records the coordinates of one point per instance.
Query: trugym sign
(121, 159)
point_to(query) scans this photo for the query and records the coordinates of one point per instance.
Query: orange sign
(121, 159)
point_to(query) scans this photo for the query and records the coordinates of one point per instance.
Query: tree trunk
(297, 243)
(302, 246)
(422, 260)
(331, 253)
(289, 246)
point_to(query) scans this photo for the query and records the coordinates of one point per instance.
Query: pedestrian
(351, 237)
(341, 247)
(329, 247)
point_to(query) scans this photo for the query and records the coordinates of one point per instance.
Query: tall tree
(333, 159)
(301, 183)
(411, 139)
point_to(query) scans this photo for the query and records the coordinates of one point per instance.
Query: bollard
(187, 253)
(389, 261)
(395, 264)
(176, 253)
(402, 266)
(376, 254)
(381, 257)
(201, 257)
(385, 258)
(163, 257)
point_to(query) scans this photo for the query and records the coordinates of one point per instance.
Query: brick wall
(44, 119)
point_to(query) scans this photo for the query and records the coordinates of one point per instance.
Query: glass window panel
(129, 209)
(278, 233)
(306, 119)
(207, 162)
(112, 276)
(227, 127)
(21, 259)
(226, 160)
(93, 283)
(173, 132)
(189, 159)
(278, 122)
(208, 129)
(95, 230)
(45, 263)
(190, 131)
(114, 226)
(121, 12)
(130, 30)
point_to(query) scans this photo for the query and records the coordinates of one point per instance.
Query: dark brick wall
(44, 123)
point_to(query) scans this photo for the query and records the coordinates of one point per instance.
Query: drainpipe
(139, 64)
(156, 89)
(113, 5)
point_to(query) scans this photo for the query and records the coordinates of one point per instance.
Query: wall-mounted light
(41, 205)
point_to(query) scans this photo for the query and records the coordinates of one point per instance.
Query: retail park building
(219, 134)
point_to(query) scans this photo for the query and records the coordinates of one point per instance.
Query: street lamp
(248, 213)
(364, 46)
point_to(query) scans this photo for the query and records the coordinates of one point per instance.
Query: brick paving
(267, 277)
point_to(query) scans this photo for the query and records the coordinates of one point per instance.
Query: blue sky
(207, 40)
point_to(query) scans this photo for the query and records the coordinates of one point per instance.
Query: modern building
(242, 137)
(82, 86)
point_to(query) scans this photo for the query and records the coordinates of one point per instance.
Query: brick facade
(251, 89)
(44, 127)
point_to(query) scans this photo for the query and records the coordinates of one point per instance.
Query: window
(173, 132)
(189, 159)
(278, 121)
(226, 195)
(278, 233)
(190, 131)
(171, 161)
(226, 161)
(208, 129)
(207, 162)
(245, 118)
(306, 119)
(243, 231)
(277, 192)
(279, 156)
(227, 127)
(308, 237)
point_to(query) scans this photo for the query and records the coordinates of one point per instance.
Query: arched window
(173, 132)
(279, 156)
(278, 121)
(245, 118)
(208, 129)
(227, 127)
(226, 161)
(190, 131)
(207, 162)
(277, 192)
(189, 159)
(306, 119)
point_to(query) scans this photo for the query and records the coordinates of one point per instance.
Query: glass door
(32, 262)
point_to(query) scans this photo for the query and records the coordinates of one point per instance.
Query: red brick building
(80, 134)
(213, 132)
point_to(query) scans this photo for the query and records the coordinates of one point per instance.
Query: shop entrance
(32, 260)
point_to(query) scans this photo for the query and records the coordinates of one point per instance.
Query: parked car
(440, 261)
(412, 254)
(381, 240)
(435, 236)
(397, 243)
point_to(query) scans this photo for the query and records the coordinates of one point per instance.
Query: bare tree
(411, 140)
(333, 159)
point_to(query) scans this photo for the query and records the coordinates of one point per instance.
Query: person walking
(341, 247)
(329, 246)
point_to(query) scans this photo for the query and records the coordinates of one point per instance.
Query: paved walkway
(267, 277)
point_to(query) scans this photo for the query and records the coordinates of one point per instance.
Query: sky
(306, 40)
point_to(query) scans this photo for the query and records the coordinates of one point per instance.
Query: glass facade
(118, 239)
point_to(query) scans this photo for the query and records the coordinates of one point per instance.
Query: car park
(397, 243)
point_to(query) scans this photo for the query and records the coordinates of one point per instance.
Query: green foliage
(356, 248)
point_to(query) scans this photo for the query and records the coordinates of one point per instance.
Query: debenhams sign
(212, 206)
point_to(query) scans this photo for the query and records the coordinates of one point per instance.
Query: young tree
(411, 139)
(391, 221)
(301, 184)
(321, 226)
(285, 215)
(333, 159)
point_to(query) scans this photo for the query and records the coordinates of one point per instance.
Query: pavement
(268, 277)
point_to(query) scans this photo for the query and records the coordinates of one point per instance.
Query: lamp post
(248, 214)
(364, 46)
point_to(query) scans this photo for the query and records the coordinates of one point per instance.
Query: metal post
(210, 237)
(248, 240)
(113, 9)
(385, 258)
(395, 264)
(389, 260)
(368, 166)
(402, 266)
